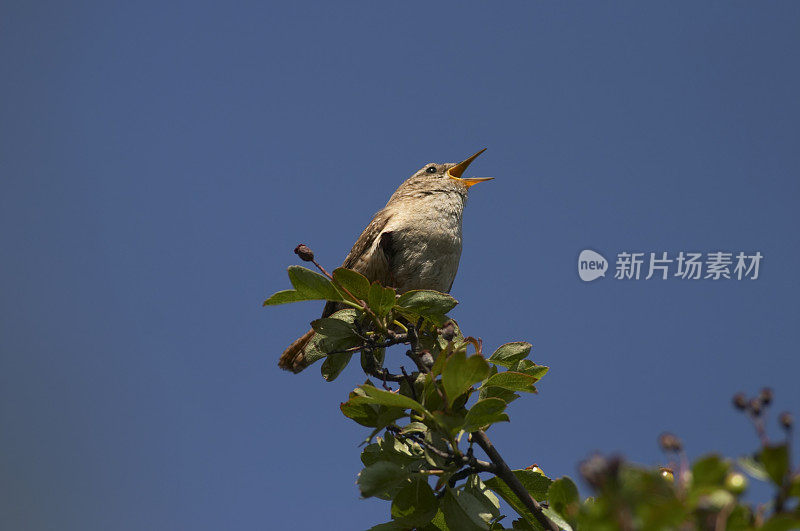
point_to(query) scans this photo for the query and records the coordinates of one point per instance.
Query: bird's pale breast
(426, 240)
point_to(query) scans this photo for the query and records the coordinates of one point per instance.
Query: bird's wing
(372, 263)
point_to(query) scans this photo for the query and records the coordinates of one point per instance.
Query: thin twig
(386, 376)
(422, 442)
(505, 473)
(364, 305)
(396, 340)
(461, 474)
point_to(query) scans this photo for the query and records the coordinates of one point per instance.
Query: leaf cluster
(428, 423)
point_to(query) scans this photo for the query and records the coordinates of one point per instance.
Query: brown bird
(413, 243)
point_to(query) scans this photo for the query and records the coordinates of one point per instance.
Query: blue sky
(160, 161)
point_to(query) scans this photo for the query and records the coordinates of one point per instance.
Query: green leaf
(485, 412)
(794, 486)
(415, 504)
(739, 519)
(460, 373)
(437, 524)
(372, 359)
(775, 459)
(437, 439)
(530, 368)
(285, 296)
(753, 468)
(386, 398)
(313, 285)
(438, 365)
(781, 522)
(369, 414)
(334, 365)
(426, 303)
(381, 299)
(709, 471)
(414, 427)
(513, 381)
(463, 512)
(335, 327)
(364, 414)
(340, 324)
(563, 497)
(451, 422)
(380, 478)
(483, 494)
(498, 392)
(557, 519)
(392, 450)
(354, 282)
(535, 483)
(510, 353)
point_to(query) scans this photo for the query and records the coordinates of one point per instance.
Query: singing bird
(414, 242)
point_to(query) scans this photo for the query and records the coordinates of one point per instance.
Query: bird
(414, 242)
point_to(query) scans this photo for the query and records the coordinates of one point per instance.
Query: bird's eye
(431, 169)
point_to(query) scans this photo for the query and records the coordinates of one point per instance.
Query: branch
(385, 375)
(464, 473)
(475, 465)
(497, 466)
(396, 340)
(505, 473)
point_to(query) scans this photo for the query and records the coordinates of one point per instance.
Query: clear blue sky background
(159, 162)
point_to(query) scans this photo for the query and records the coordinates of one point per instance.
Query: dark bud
(765, 396)
(305, 254)
(755, 407)
(740, 401)
(426, 359)
(599, 471)
(670, 443)
(448, 331)
(786, 420)
(593, 470)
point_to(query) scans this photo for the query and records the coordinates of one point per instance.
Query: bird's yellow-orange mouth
(456, 171)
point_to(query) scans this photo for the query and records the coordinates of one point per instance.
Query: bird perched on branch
(414, 242)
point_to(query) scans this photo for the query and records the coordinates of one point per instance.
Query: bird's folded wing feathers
(367, 258)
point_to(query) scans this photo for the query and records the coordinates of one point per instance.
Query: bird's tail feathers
(294, 358)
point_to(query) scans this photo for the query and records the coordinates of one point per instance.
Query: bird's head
(445, 177)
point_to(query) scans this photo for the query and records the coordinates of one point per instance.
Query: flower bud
(765, 396)
(426, 359)
(448, 331)
(667, 473)
(735, 482)
(740, 401)
(786, 420)
(755, 407)
(598, 471)
(670, 443)
(305, 254)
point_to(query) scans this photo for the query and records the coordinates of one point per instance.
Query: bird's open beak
(456, 171)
